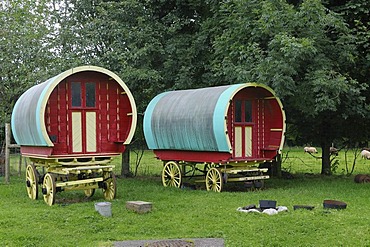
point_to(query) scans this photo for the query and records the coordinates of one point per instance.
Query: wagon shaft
(71, 161)
(74, 184)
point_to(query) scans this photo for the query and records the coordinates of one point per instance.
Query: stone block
(139, 206)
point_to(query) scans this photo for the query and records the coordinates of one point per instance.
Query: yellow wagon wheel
(214, 180)
(49, 189)
(171, 175)
(89, 192)
(109, 187)
(32, 182)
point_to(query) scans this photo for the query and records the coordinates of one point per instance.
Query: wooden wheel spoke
(168, 172)
(176, 182)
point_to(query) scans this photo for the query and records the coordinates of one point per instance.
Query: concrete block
(139, 206)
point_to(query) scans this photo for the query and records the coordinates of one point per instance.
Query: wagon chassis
(57, 175)
(215, 176)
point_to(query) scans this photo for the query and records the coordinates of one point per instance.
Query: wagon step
(236, 171)
(238, 179)
(247, 178)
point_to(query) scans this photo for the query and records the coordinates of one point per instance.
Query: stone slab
(139, 206)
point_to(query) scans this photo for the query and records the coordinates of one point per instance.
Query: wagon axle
(44, 191)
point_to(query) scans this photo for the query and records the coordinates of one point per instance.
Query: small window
(76, 94)
(248, 111)
(90, 94)
(238, 111)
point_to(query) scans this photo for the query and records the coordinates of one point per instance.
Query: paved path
(196, 242)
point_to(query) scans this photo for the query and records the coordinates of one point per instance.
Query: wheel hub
(44, 191)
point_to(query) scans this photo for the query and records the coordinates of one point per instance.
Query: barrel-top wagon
(70, 127)
(222, 133)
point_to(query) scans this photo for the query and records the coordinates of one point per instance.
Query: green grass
(182, 213)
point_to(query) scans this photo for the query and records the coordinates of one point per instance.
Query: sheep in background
(365, 154)
(310, 150)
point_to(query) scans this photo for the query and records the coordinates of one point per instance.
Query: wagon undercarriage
(53, 176)
(214, 176)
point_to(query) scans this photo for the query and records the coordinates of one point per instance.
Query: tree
(24, 50)
(305, 52)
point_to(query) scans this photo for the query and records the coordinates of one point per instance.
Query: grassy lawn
(183, 213)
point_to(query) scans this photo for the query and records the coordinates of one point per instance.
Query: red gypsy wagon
(71, 126)
(228, 129)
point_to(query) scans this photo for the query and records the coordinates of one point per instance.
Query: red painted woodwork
(46, 152)
(192, 156)
(36, 151)
(112, 107)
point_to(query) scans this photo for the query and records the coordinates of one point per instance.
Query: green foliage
(25, 52)
(305, 52)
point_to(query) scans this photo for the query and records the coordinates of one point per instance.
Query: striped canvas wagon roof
(193, 119)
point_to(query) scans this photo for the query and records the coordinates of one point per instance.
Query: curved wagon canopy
(84, 111)
(217, 124)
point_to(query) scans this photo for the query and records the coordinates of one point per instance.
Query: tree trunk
(325, 159)
(125, 164)
(274, 167)
(277, 170)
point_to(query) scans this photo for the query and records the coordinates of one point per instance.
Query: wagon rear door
(243, 127)
(249, 127)
(83, 117)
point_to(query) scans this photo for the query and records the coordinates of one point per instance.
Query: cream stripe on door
(248, 141)
(76, 132)
(91, 131)
(238, 142)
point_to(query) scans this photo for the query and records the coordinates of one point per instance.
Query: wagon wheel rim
(214, 180)
(89, 192)
(32, 182)
(208, 166)
(171, 175)
(110, 188)
(49, 189)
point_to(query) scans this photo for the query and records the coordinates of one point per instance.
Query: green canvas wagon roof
(191, 119)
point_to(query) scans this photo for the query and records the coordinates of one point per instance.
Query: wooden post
(8, 146)
(20, 165)
(7, 153)
(125, 163)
